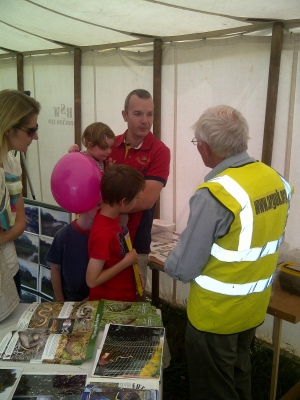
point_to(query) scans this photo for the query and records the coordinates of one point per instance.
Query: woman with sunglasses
(18, 127)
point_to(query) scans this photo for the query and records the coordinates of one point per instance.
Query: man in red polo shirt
(138, 148)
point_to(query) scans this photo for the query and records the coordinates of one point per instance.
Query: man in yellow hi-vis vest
(228, 253)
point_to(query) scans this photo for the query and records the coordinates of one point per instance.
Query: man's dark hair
(140, 93)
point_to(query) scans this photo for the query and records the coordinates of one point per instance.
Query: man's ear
(124, 115)
(206, 148)
(89, 145)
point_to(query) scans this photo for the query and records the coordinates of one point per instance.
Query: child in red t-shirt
(108, 275)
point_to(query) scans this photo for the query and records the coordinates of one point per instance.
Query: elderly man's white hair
(224, 129)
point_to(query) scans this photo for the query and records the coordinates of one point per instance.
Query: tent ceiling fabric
(30, 26)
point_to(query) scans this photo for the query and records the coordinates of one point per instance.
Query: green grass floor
(176, 379)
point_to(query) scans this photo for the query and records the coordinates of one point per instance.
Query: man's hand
(148, 196)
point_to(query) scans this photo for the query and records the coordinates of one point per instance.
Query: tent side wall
(195, 75)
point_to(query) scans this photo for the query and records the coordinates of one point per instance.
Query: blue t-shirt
(69, 249)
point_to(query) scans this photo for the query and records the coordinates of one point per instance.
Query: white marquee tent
(212, 52)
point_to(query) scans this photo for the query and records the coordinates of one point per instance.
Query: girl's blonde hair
(16, 109)
(96, 133)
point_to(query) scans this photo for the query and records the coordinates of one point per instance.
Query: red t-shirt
(152, 159)
(106, 242)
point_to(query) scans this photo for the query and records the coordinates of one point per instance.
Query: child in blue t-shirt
(68, 256)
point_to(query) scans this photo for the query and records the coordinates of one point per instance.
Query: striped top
(10, 190)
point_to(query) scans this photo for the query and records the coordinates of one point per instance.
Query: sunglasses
(30, 131)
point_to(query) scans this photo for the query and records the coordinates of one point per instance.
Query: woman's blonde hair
(16, 109)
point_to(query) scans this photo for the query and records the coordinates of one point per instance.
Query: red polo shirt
(152, 159)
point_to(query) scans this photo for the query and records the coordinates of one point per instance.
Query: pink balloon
(75, 183)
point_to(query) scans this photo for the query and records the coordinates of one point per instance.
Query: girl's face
(100, 154)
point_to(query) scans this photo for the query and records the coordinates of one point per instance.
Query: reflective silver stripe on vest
(245, 255)
(287, 187)
(244, 252)
(233, 289)
(246, 214)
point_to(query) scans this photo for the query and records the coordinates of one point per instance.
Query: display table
(156, 266)
(282, 305)
(9, 324)
(87, 366)
(157, 257)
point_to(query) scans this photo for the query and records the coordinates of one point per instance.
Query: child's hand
(131, 257)
(73, 148)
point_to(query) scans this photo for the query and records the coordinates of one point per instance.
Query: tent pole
(288, 150)
(23, 160)
(77, 96)
(20, 81)
(20, 72)
(157, 61)
(274, 69)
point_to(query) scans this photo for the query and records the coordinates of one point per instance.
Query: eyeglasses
(30, 131)
(195, 141)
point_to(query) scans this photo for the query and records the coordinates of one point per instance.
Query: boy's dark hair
(120, 182)
(96, 133)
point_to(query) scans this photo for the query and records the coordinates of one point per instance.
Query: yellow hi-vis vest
(232, 293)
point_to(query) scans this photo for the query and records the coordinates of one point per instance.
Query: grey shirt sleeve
(207, 221)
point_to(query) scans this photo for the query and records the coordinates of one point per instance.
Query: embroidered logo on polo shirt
(143, 160)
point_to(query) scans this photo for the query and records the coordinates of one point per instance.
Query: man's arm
(208, 220)
(56, 282)
(149, 196)
(155, 178)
